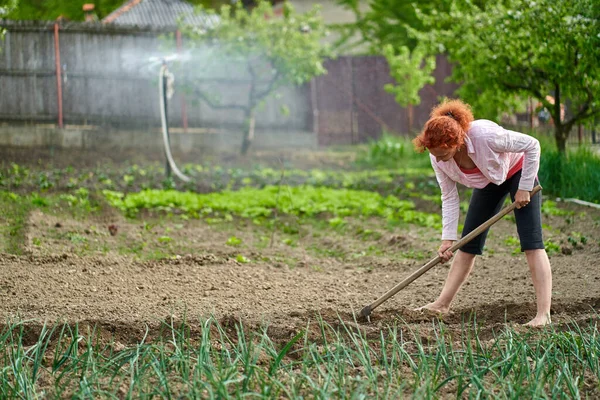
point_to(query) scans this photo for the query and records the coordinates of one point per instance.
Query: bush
(575, 175)
(393, 151)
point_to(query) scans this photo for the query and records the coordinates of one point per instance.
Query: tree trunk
(248, 132)
(560, 134)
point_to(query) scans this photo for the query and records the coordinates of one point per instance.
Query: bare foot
(434, 307)
(539, 321)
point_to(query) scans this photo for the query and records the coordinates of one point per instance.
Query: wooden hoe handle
(365, 312)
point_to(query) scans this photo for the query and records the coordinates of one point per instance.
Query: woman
(495, 162)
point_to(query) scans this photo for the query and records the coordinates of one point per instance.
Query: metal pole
(166, 108)
(58, 76)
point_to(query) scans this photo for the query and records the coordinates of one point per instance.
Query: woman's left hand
(522, 198)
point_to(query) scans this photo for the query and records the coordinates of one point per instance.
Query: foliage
(411, 70)
(510, 50)
(260, 203)
(6, 7)
(271, 51)
(388, 22)
(44, 10)
(575, 175)
(393, 151)
(210, 360)
(21, 179)
(13, 222)
(503, 52)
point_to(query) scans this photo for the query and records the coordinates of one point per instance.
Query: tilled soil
(126, 296)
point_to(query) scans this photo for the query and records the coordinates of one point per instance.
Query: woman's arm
(450, 203)
(507, 141)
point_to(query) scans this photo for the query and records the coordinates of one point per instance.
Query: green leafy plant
(241, 259)
(76, 238)
(551, 247)
(260, 203)
(514, 243)
(165, 239)
(233, 241)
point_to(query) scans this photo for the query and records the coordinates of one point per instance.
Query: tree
(506, 51)
(387, 22)
(270, 51)
(6, 6)
(411, 70)
(48, 10)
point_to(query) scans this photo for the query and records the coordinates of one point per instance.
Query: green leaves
(503, 53)
(278, 49)
(257, 46)
(52, 9)
(6, 6)
(411, 69)
(390, 21)
(519, 48)
(254, 203)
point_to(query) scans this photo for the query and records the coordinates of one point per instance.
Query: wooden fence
(108, 76)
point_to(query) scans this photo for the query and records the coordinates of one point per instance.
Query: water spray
(165, 92)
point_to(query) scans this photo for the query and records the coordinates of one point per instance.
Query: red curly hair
(447, 126)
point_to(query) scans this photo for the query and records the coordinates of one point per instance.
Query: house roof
(157, 13)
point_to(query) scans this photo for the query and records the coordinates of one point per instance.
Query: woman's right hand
(443, 251)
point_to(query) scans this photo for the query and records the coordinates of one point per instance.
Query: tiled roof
(157, 13)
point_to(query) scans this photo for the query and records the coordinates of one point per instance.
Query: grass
(575, 174)
(392, 151)
(212, 360)
(13, 221)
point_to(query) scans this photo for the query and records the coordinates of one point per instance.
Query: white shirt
(494, 150)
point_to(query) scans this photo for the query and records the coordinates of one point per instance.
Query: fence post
(184, 118)
(58, 76)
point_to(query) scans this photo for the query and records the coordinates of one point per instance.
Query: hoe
(366, 311)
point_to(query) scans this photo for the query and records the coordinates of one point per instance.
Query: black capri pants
(487, 202)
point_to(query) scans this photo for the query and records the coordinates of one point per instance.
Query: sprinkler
(165, 92)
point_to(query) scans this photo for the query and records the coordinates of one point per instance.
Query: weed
(15, 210)
(233, 241)
(241, 259)
(551, 247)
